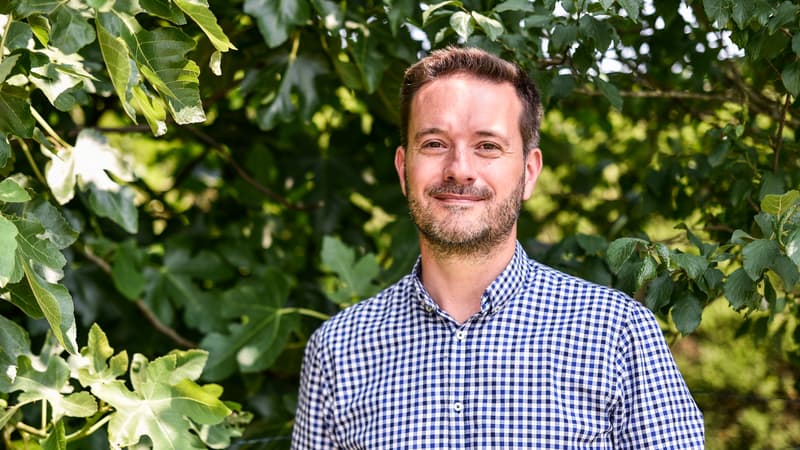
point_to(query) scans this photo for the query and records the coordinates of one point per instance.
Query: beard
(460, 231)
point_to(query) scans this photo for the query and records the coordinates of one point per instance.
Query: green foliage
(258, 196)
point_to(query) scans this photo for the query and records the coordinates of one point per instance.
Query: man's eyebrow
(427, 131)
(492, 134)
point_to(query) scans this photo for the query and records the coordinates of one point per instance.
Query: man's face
(464, 172)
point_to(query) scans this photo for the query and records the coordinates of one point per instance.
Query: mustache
(450, 187)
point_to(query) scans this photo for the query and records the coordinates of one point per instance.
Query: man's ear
(400, 166)
(533, 167)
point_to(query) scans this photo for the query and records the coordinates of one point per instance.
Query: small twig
(220, 149)
(142, 306)
(779, 133)
(305, 312)
(30, 430)
(27, 151)
(90, 429)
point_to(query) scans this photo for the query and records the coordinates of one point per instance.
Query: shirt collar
(499, 292)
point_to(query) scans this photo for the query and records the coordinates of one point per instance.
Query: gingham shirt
(549, 362)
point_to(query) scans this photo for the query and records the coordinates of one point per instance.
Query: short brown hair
(480, 64)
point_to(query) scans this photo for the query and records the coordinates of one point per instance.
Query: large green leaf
(780, 204)
(49, 385)
(14, 341)
(277, 18)
(740, 290)
(57, 439)
(164, 403)
(25, 8)
(297, 91)
(161, 56)
(97, 364)
(694, 265)
(56, 228)
(492, 27)
(116, 205)
(56, 304)
(255, 343)
(621, 250)
(118, 65)
(462, 23)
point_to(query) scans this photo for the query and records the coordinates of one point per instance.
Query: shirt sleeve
(655, 408)
(312, 430)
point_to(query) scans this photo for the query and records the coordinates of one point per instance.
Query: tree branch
(160, 326)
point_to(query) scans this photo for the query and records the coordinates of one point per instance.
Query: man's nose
(460, 166)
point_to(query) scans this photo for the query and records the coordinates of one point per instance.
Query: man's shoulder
(368, 314)
(574, 292)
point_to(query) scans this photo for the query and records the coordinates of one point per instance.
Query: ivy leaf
(758, 256)
(8, 257)
(355, 279)
(48, 385)
(492, 27)
(687, 312)
(276, 18)
(256, 342)
(199, 11)
(740, 290)
(12, 192)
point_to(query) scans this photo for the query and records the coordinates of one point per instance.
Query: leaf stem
(304, 312)
(88, 429)
(5, 33)
(31, 161)
(30, 430)
(43, 123)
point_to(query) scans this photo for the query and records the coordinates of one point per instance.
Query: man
(481, 347)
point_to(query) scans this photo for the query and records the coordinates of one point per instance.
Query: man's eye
(433, 145)
(489, 148)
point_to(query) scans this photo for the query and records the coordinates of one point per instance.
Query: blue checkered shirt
(549, 362)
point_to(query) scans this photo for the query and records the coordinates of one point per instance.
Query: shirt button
(457, 407)
(429, 308)
(461, 335)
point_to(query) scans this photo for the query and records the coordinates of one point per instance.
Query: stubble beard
(450, 237)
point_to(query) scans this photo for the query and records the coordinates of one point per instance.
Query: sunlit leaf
(48, 385)
(56, 304)
(780, 204)
(492, 27)
(432, 8)
(32, 246)
(514, 5)
(199, 12)
(118, 65)
(462, 24)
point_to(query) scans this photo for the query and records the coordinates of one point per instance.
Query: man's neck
(457, 282)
